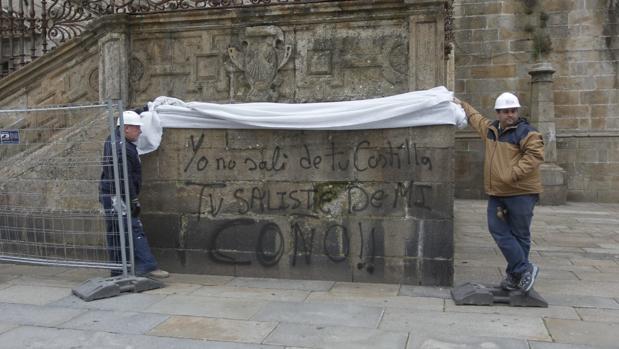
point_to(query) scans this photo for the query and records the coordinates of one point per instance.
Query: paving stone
(321, 314)
(559, 312)
(594, 262)
(207, 280)
(365, 289)
(603, 269)
(603, 315)
(422, 341)
(546, 345)
(123, 302)
(425, 291)
(214, 329)
(583, 332)
(286, 284)
(460, 324)
(579, 288)
(26, 314)
(604, 277)
(227, 308)
(115, 321)
(581, 301)
(253, 293)
(402, 302)
(313, 336)
(32, 294)
(5, 279)
(53, 338)
(174, 288)
(5, 326)
(556, 274)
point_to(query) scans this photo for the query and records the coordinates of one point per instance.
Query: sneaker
(528, 278)
(158, 274)
(509, 283)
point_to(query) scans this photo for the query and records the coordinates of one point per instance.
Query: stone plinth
(370, 205)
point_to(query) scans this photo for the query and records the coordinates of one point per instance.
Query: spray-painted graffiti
(365, 156)
(270, 241)
(252, 221)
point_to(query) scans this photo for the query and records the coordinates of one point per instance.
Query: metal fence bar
(117, 183)
(50, 165)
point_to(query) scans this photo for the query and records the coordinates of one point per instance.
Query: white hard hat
(506, 100)
(130, 118)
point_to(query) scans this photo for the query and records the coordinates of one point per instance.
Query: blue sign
(9, 137)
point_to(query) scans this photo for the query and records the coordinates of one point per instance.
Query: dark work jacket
(512, 157)
(134, 168)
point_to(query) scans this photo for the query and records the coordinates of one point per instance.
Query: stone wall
(359, 206)
(496, 44)
(371, 206)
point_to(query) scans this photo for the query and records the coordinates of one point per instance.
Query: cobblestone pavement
(576, 247)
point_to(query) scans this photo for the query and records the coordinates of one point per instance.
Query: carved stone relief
(394, 61)
(70, 84)
(332, 63)
(261, 54)
(93, 80)
(139, 78)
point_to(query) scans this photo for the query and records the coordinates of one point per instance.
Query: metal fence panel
(50, 168)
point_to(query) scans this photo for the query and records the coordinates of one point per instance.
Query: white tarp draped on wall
(419, 108)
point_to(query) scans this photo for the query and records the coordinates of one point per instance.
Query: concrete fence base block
(478, 294)
(99, 288)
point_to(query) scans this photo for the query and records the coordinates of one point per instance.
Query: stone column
(543, 117)
(114, 59)
(426, 51)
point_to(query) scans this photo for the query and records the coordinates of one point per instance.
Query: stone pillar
(543, 117)
(426, 50)
(114, 59)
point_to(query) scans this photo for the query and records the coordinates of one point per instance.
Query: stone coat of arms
(261, 55)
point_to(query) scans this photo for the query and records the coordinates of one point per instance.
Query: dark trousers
(513, 233)
(144, 260)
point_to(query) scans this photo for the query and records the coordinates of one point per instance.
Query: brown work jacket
(512, 157)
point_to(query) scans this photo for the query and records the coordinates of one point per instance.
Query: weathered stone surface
(53, 338)
(580, 332)
(38, 295)
(214, 329)
(116, 321)
(444, 341)
(207, 306)
(25, 314)
(335, 337)
(454, 324)
(320, 314)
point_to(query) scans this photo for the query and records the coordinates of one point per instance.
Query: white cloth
(420, 108)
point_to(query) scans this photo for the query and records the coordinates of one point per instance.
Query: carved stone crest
(262, 54)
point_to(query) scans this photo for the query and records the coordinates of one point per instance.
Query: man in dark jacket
(145, 263)
(514, 151)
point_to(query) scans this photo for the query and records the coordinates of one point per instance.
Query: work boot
(528, 277)
(158, 274)
(509, 283)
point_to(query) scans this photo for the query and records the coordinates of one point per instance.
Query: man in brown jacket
(513, 152)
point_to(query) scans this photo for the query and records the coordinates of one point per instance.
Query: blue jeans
(144, 260)
(513, 234)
